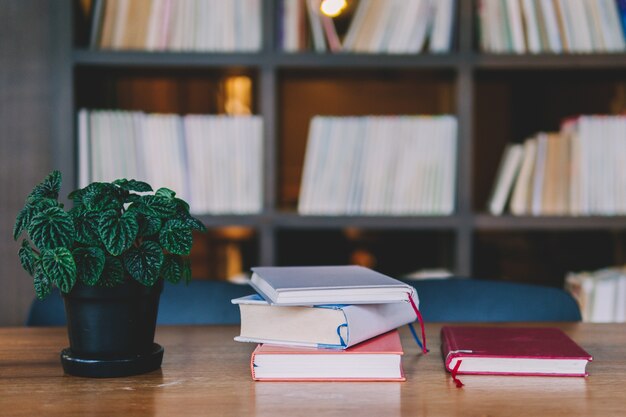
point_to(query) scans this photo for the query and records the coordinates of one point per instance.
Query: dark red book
(511, 351)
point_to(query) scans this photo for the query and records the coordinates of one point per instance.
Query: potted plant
(108, 256)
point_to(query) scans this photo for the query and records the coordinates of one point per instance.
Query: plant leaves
(166, 193)
(59, 266)
(157, 206)
(117, 232)
(89, 264)
(102, 196)
(148, 225)
(28, 258)
(133, 185)
(49, 187)
(86, 225)
(113, 273)
(42, 284)
(176, 237)
(52, 228)
(143, 263)
(172, 268)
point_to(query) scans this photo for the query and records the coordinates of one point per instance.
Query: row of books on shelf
(213, 162)
(377, 165)
(601, 294)
(392, 26)
(577, 171)
(373, 26)
(169, 25)
(325, 323)
(552, 26)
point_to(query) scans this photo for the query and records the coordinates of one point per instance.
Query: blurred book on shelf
(601, 294)
(367, 26)
(551, 26)
(168, 25)
(579, 171)
(379, 165)
(224, 254)
(214, 162)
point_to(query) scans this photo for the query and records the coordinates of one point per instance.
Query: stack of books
(601, 294)
(326, 323)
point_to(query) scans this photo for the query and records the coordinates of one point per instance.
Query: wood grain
(206, 373)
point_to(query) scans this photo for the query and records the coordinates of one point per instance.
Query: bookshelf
(491, 96)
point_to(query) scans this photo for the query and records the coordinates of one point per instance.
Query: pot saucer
(112, 367)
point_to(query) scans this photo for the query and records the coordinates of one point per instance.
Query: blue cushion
(446, 300)
(200, 302)
(475, 300)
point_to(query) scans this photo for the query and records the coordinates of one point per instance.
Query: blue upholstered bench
(447, 300)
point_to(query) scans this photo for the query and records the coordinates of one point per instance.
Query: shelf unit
(463, 65)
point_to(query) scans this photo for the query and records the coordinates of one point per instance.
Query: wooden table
(206, 373)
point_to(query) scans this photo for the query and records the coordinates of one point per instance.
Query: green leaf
(182, 205)
(166, 193)
(192, 223)
(58, 265)
(186, 272)
(157, 206)
(117, 232)
(172, 268)
(43, 285)
(23, 220)
(102, 196)
(49, 187)
(52, 228)
(144, 263)
(89, 264)
(113, 273)
(148, 225)
(28, 257)
(176, 237)
(133, 185)
(132, 198)
(86, 225)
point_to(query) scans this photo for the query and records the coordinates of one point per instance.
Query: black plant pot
(111, 330)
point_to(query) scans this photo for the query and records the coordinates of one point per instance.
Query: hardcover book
(328, 326)
(317, 285)
(511, 351)
(378, 359)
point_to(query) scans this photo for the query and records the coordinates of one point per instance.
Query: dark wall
(28, 125)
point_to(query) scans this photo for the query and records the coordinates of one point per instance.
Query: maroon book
(511, 351)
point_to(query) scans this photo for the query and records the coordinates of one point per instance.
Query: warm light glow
(333, 8)
(237, 91)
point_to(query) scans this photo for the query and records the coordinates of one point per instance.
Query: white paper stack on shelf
(213, 162)
(380, 165)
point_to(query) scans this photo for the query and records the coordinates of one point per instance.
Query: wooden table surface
(206, 373)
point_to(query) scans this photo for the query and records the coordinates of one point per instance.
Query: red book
(511, 351)
(377, 359)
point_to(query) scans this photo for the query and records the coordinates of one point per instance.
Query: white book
(552, 26)
(533, 39)
(582, 33)
(441, 33)
(407, 11)
(450, 164)
(539, 175)
(515, 26)
(570, 34)
(593, 19)
(611, 27)
(317, 31)
(507, 173)
(327, 326)
(318, 285)
(83, 148)
(520, 200)
(356, 25)
(421, 27)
